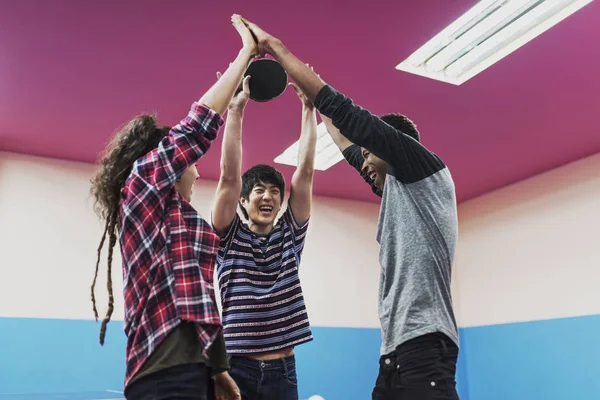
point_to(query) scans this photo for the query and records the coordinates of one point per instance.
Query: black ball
(268, 79)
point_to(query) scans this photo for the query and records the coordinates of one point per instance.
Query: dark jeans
(423, 368)
(182, 382)
(265, 380)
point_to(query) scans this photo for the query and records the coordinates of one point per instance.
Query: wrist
(308, 108)
(273, 46)
(236, 111)
(246, 54)
(220, 375)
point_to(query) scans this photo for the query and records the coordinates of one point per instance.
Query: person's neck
(260, 229)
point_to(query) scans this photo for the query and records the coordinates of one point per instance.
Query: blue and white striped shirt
(263, 305)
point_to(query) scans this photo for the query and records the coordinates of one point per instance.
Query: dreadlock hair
(260, 173)
(402, 124)
(134, 140)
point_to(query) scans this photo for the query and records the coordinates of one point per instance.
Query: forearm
(231, 154)
(301, 74)
(220, 94)
(308, 141)
(340, 140)
(182, 147)
(405, 157)
(230, 182)
(301, 184)
(360, 126)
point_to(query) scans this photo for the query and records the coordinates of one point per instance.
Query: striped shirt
(263, 305)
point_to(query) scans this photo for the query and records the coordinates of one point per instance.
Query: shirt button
(387, 361)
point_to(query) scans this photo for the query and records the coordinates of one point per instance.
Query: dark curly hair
(134, 140)
(402, 124)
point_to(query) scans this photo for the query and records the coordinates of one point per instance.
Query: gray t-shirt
(417, 228)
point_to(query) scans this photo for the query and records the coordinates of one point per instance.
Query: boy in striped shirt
(417, 232)
(264, 315)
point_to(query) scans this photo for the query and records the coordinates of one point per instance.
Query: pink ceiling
(72, 71)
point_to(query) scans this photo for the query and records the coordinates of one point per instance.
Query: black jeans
(423, 368)
(182, 382)
(265, 380)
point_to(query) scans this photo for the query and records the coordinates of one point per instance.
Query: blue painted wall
(540, 360)
(557, 359)
(54, 356)
(58, 356)
(551, 360)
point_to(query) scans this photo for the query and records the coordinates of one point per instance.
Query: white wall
(526, 252)
(49, 236)
(531, 251)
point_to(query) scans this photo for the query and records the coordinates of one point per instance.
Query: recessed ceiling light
(488, 32)
(327, 153)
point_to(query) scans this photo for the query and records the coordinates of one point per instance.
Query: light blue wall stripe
(557, 359)
(54, 356)
(51, 356)
(342, 363)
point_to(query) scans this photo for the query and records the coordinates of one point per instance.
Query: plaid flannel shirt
(168, 249)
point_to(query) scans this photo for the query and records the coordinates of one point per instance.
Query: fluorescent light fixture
(488, 32)
(327, 154)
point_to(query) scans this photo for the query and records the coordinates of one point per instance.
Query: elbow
(341, 142)
(230, 172)
(230, 180)
(303, 174)
(228, 177)
(306, 161)
(306, 168)
(308, 171)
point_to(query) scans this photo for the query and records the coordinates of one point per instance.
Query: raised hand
(305, 101)
(240, 99)
(302, 76)
(248, 43)
(265, 40)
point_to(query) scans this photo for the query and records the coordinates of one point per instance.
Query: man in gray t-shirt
(417, 232)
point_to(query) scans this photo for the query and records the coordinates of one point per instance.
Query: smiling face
(375, 167)
(261, 197)
(262, 206)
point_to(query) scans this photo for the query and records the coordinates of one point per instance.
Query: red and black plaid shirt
(168, 249)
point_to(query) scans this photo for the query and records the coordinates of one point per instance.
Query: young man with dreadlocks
(142, 191)
(417, 232)
(264, 315)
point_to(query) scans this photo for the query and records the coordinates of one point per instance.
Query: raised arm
(340, 111)
(192, 137)
(220, 94)
(408, 159)
(340, 140)
(366, 130)
(230, 181)
(351, 153)
(302, 180)
(303, 76)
